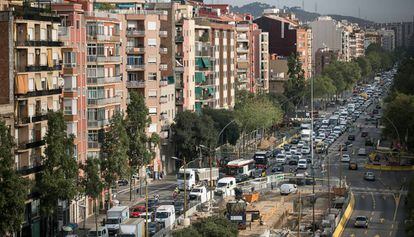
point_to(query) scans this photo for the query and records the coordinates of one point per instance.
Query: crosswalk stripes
(361, 190)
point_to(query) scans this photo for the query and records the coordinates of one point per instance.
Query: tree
(334, 72)
(404, 80)
(191, 130)
(114, 151)
(365, 66)
(281, 100)
(92, 183)
(58, 180)
(222, 118)
(214, 226)
(295, 85)
(13, 187)
(398, 121)
(375, 61)
(138, 121)
(323, 87)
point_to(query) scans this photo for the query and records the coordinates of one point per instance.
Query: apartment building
(261, 61)
(31, 76)
(72, 32)
(324, 57)
(304, 49)
(326, 32)
(357, 42)
(403, 32)
(372, 37)
(245, 53)
(387, 39)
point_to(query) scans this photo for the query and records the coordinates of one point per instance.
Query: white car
(288, 154)
(345, 158)
(302, 164)
(281, 158)
(286, 189)
(300, 144)
(305, 150)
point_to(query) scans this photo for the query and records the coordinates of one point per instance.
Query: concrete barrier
(389, 168)
(345, 217)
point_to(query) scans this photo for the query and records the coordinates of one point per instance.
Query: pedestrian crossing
(365, 190)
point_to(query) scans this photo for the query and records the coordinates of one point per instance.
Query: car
(135, 211)
(345, 158)
(305, 150)
(276, 152)
(294, 141)
(369, 176)
(351, 137)
(288, 155)
(241, 178)
(361, 222)
(343, 147)
(122, 182)
(364, 134)
(153, 228)
(362, 152)
(278, 168)
(300, 144)
(302, 164)
(286, 147)
(179, 207)
(353, 165)
(281, 158)
(293, 162)
(286, 189)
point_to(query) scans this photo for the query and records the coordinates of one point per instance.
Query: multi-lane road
(382, 200)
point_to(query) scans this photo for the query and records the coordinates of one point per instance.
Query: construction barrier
(345, 217)
(389, 168)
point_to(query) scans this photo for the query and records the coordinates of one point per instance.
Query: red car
(136, 211)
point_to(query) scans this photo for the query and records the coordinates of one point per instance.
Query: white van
(102, 232)
(225, 186)
(165, 214)
(286, 189)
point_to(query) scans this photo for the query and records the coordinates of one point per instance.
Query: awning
(200, 63)
(200, 77)
(210, 90)
(171, 80)
(38, 84)
(197, 106)
(21, 84)
(198, 90)
(206, 62)
(50, 82)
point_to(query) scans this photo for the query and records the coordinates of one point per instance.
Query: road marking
(352, 235)
(392, 226)
(373, 200)
(370, 219)
(382, 220)
(377, 235)
(366, 232)
(390, 233)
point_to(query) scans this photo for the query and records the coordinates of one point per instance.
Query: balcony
(41, 93)
(242, 39)
(163, 50)
(39, 43)
(163, 99)
(163, 83)
(98, 123)
(135, 49)
(103, 80)
(100, 37)
(135, 33)
(33, 119)
(30, 169)
(163, 67)
(135, 84)
(104, 101)
(163, 33)
(242, 50)
(32, 143)
(35, 13)
(32, 68)
(135, 67)
(104, 59)
(179, 39)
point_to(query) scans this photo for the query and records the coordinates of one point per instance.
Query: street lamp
(211, 173)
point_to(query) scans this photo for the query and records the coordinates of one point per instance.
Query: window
(69, 59)
(152, 93)
(152, 76)
(152, 42)
(152, 60)
(152, 127)
(152, 25)
(71, 128)
(43, 34)
(43, 59)
(70, 83)
(30, 34)
(152, 110)
(135, 60)
(70, 106)
(30, 59)
(31, 84)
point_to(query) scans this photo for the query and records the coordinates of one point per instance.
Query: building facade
(324, 57)
(326, 32)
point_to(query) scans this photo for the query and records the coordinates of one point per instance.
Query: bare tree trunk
(96, 216)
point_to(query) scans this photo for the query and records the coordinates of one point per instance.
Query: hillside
(256, 9)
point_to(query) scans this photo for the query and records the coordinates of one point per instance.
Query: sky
(374, 10)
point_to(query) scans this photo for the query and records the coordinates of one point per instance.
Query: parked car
(345, 158)
(278, 168)
(369, 176)
(241, 178)
(362, 152)
(364, 134)
(287, 189)
(135, 211)
(353, 165)
(361, 221)
(302, 164)
(122, 182)
(351, 137)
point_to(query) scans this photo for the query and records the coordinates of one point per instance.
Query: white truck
(195, 176)
(305, 135)
(115, 217)
(199, 193)
(132, 228)
(225, 186)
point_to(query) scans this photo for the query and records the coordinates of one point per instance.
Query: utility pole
(340, 166)
(300, 213)
(211, 182)
(146, 207)
(185, 188)
(329, 183)
(313, 161)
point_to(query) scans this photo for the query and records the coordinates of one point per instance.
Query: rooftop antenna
(359, 12)
(303, 5)
(316, 6)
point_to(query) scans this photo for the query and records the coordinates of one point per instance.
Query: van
(286, 189)
(165, 214)
(114, 218)
(225, 186)
(102, 232)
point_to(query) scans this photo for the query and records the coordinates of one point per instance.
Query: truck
(195, 176)
(199, 193)
(132, 228)
(236, 213)
(305, 135)
(225, 186)
(115, 217)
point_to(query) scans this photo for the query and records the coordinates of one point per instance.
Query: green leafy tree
(214, 226)
(114, 152)
(13, 187)
(284, 102)
(295, 85)
(92, 183)
(191, 130)
(365, 66)
(398, 119)
(323, 87)
(58, 180)
(404, 80)
(334, 72)
(222, 118)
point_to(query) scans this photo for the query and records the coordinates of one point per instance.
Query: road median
(389, 168)
(345, 217)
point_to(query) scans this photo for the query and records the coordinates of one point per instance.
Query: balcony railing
(163, 99)
(179, 39)
(242, 50)
(105, 101)
(33, 119)
(135, 33)
(163, 67)
(101, 59)
(32, 68)
(39, 43)
(41, 93)
(30, 169)
(103, 80)
(98, 123)
(135, 84)
(32, 143)
(163, 50)
(135, 67)
(163, 33)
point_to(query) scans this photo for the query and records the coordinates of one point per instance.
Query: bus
(240, 166)
(263, 159)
